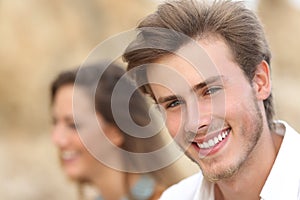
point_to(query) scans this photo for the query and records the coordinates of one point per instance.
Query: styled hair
(231, 21)
(98, 82)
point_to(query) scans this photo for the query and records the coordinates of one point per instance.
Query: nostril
(202, 127)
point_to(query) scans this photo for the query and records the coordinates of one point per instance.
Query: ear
(262, 81)
(111, 131)
(114, 135)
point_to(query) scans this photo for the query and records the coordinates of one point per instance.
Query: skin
(228, 102)
(76, 161)
(73, 155)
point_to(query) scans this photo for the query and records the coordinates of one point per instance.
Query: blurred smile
(69, 156)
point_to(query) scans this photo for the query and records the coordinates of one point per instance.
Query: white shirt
(283, 182)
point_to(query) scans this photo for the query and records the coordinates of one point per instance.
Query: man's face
(214, 114)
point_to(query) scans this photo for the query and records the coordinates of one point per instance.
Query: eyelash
(211, 90)
(207, 92)
(177, 102)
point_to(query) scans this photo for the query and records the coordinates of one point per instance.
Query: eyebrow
(167, 98)
(208, 81)
(199, 86)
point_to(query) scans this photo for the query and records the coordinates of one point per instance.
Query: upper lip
(200, 138)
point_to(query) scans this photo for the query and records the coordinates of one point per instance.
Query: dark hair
(138, 108)
(89, 78)
(238, 26)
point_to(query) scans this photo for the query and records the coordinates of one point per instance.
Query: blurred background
(39, 38)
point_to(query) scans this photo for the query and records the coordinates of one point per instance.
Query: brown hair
(238, 26)
(138, 104)
(105, 79)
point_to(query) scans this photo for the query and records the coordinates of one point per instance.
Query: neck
(113, 184)
(110, 183)
(248, 182)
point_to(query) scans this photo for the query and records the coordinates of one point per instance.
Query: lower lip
(211, 151)
(69, 160)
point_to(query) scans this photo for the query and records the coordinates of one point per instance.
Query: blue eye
(212, 90)
(175, 103)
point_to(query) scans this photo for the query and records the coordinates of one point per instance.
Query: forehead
(68, 95)
(193, 63)
(63, 96)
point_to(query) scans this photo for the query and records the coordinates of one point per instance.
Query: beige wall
(282, 23)
(39, 38)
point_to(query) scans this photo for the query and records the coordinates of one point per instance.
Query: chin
(77, 177)
(73, 173)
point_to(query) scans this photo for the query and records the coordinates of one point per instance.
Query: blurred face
(214, 115)
(76, 161)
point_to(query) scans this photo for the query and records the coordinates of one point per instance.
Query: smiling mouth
(68, 155)
(215, 140)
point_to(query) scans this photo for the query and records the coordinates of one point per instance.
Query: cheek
(78, 143)
(173, 123)
(86, 157)
(88, 160)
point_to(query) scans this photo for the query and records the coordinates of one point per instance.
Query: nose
(197, 118)
(60, 136)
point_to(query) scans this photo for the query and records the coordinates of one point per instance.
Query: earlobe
(116, 136)
(262, 81)
(111, 132)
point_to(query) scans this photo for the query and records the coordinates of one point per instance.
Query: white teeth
(223, 135)
(68, 155)
(212, 142)
(216, 140)
(220, 138)
(205, 144)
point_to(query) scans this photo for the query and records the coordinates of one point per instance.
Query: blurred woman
(75, 96)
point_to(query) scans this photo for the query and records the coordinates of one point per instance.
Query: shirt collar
(284, 179)
(206, 191)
